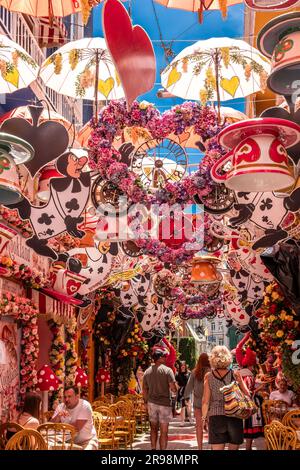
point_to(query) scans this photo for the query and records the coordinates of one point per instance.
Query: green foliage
(290, 370)
(187, 350)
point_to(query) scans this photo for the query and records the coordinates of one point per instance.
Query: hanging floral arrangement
(135, 345)
(115, 117)
(276, 319)
(26, 313)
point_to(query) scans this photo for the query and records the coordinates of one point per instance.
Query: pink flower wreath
(114, 118)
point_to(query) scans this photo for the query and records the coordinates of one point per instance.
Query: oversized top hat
(280, 40)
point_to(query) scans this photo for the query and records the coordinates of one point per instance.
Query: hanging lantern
(13, 151)
(206, 275)
(257, 155)
(48, 172)
(280, 40)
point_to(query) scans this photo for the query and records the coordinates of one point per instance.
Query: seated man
(78, 413)
(282, 393)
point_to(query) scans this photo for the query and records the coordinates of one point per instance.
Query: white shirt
(287, 396)
(83, 411)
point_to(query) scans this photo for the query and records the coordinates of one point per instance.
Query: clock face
(158, 161)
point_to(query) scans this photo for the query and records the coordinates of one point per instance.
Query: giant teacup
(258, 160)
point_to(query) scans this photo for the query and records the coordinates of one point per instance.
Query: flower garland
(23, 273)
(13, 219)
(26, 313)
(71, 355)
(196, 306)
(57, 356)
(276, 319)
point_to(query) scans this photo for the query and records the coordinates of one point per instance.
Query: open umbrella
(17, 68)
(43, 7)
(216, 69)
(83, 69)
(200, 5)
(51, 8)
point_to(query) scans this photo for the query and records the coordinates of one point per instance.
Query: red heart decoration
(131, 50)
(233, 310)
(242, 316)
(245, 250)
(72, 287)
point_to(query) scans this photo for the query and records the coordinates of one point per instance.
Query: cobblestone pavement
(184, 438)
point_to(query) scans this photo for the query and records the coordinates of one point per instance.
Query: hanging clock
(104, 193)
(159, 161)
(219, 201)
(131, 249)
(214, 244)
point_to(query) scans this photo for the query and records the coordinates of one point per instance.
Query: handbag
(236, 403)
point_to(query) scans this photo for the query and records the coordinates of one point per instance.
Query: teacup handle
(216, 166)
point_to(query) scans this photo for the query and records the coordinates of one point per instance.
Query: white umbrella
(217, 69)
(17, 68)
(83, 69)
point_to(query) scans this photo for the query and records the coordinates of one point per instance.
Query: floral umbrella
(217, 69)
(200, 5)
(17, 68)
(83, 69)
(51, 8)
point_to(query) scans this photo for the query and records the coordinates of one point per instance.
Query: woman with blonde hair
(195, 385)
(222, 429)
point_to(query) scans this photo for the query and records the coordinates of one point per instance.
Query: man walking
(158, 383)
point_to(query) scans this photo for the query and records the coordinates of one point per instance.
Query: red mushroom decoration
(81, 379)
(47, 382)
(103, 377)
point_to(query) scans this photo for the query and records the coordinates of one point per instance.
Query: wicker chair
(58, 436)
(274, 409)
(292, 420)
(280, 437)
(6, 432)
(27, 439)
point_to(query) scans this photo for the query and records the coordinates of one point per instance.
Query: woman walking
(222, 429)
(182, 378)
(195, 386)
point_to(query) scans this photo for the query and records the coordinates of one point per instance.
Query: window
(220, 341)
(213, 327)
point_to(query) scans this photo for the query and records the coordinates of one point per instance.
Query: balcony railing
(15, 27)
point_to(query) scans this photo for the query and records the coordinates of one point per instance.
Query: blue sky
(178, 29)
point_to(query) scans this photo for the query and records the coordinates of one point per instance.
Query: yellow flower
(125, 354)
(269, 289)
(275, 296)
(279, 334)
(266, 300)
(144, 104)
(289, 318)
(129, 340)
(289, 341)
(272, 318)
(283, 316)
(134, 353)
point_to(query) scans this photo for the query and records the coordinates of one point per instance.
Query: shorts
(159, 413)
(225, 430)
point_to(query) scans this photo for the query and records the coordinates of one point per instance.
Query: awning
(47, 305)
